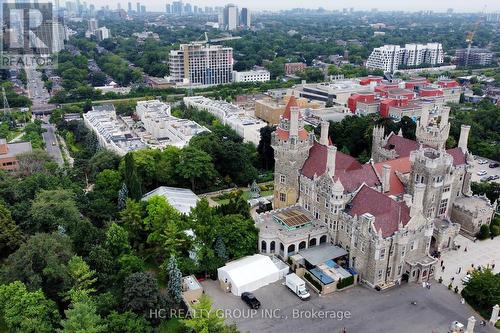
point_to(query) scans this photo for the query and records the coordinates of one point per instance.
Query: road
(51, 143)
(37, 92)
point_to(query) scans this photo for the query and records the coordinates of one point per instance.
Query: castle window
(282, 197)
(399, 269)
(317, 198)
(327, 204)
(403, 252)
(380, 272)
(442, 206)
(446, 189)
(282, 179)
(382, 254)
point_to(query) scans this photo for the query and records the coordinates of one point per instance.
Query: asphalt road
(51, 143)
(369, 311)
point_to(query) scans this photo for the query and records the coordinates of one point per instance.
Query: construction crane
(470, 36)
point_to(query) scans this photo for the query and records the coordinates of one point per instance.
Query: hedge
(345, 282)
(313, 281)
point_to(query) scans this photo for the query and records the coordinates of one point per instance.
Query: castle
(386, 216)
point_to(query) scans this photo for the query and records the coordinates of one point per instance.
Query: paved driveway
(490, 171)
(485, 252)
(369, 310)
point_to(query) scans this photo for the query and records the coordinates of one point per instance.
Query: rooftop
(316, 255)
(387, 212)
(182, 199)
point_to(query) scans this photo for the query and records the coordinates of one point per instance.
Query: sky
(436, 5)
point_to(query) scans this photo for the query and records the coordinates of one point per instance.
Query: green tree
(82, 279)
(131, 219)
(174, 285)
(207, 320)
(117, 240)
(484, 232)
(127, 322)
(10, 235)
(41, 262)
(122, 196)
(131, 177)
(196, 166)
(141, 293)
(25, 311)
(51, 209)
(482, 291)
(266, 152)
(81, 317)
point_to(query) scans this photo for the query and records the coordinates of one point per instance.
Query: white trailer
(297, 285)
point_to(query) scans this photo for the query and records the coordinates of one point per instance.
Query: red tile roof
(292, 102)
(402, 165)
(350, 172)
(388, 213)
(401, 145)
(284, 134)
(458, 155)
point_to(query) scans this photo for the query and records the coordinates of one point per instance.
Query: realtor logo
(29, 34)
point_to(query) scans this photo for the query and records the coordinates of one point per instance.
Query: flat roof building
(182, 199)
(9, 153)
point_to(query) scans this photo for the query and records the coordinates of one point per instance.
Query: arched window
(263, 246)
(322, 239)
(312, 242)
(291, 249)
(302, 245)
(272, 247)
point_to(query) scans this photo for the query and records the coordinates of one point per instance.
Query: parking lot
(489, 171)
(358, 309)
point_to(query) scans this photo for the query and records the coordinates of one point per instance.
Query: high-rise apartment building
(390, 57)
(93, 25)
(230, 17)
(245, 19)
(177, 7)
(473, 56)
(201, 64)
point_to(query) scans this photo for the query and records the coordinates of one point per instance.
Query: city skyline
(388, 5)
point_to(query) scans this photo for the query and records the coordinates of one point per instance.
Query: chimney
(445, 114)
(464, 137)
(330, 160)
(424, 118)
(386, 177)
(294, 121)
(325, 125)
(418, 199)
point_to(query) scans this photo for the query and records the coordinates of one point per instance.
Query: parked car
(486, 178)
(466, 278)
(482, 161)
(494, 165)
(494, 177)
(251, 300)
(482, 173)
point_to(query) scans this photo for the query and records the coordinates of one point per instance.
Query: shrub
(345, 282)
(494, 230)
(313, 281)
(484, 232)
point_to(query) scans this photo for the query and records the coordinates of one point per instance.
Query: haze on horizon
(383, 5)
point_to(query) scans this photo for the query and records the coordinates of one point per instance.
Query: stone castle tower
(432, 134)
(291, 144)
(433, 168)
